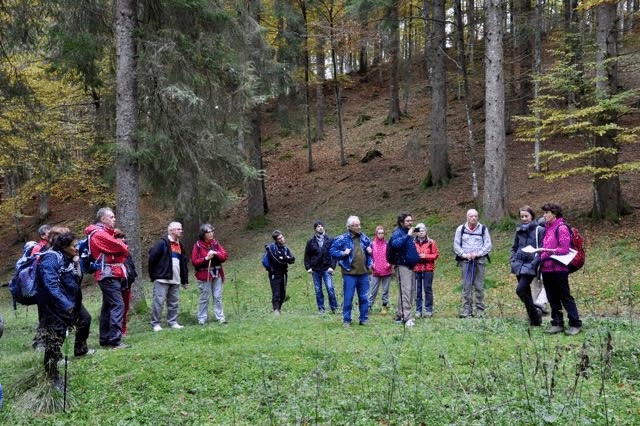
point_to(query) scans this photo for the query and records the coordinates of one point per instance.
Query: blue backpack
(265, 259)
(24, 284)
(88, 265)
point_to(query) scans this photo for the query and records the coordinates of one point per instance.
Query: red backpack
(577, 243)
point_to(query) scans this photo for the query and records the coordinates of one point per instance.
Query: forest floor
(378, 188)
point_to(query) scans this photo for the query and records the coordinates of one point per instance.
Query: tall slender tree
(439, 167)
(495, 166)
(127, 176)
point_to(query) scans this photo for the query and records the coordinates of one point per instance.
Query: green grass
(302, 368)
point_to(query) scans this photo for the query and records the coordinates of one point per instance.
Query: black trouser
(278, 281)
(556, 285)
(54, 334)
(524, 293)
(112, 312)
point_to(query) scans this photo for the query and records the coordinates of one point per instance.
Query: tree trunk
(336, 87)
(525, 23)
(495, 170)
(256, 194)
(394, 52)
(607, 194)
(320, 71)
(307, 89)
(43, 207)
(127, 185)
(439, 168)
(537, 68)
(428, 37)
(468, 101)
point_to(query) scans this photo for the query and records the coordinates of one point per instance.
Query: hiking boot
(409, 323)
(365, 322)
(157, 327)
(88, 352)
(385, 310)
(418, 314)
(554, 329)
(346, 324)
(572, 331)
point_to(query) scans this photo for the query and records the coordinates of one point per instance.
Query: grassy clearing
(302, 368)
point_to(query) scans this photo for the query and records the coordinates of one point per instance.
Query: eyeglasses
(210, 231)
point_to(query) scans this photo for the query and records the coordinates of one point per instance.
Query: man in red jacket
(107, 246)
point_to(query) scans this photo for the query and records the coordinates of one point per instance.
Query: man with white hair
(472, 244)
(167, 269)
(352, 250)
(107, 245)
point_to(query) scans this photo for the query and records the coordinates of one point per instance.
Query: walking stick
(66, 363)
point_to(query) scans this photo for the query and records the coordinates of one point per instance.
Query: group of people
(409, 254)
(59, 277)
(367, 266)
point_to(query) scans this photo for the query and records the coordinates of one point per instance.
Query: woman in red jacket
(207, 257)
(428, 252)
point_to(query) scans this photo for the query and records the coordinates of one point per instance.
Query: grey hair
(173, 225)
(472, 211)
(102, 212)
(351, 220)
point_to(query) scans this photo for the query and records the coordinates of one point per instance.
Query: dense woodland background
(263, 114)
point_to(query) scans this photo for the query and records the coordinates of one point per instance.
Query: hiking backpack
(24, 284)
(88, 265)
(576, 243)
(484, 231)
(265, 259)
(390, 254)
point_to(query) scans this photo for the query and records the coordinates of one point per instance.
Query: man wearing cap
(319, 263)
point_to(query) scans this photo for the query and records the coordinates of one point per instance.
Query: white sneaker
(410, 323)
(157, 327)
(176, 326)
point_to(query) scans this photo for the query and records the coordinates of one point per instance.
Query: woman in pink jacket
(555, 275)
(423, 271)
(382, 271)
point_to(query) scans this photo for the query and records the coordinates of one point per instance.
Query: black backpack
(484, 231)
(392, 256)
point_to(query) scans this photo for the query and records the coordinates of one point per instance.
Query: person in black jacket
(60, 301)
(319, 263)
(278, 259)
(167, 269)
(525, 264)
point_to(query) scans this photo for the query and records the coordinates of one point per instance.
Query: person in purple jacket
(555, 275)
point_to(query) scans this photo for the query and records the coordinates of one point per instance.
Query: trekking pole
(401, 295)
(66, 363)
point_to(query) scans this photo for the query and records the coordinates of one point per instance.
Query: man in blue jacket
(405, 257)
(353, 253)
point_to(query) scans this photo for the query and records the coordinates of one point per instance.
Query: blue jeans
(112, 311)
(351, 284)
(424, 280)
(318, 276)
